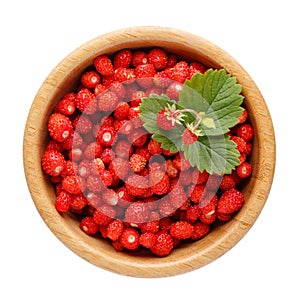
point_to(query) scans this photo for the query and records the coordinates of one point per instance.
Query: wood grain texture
(65, 77)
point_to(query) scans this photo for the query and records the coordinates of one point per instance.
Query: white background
(262, 35)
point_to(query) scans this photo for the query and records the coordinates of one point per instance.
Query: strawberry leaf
(216, 94)
(215, 154)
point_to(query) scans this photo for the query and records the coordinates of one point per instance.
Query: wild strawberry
(123, 58)
(134, 117)
(85, 101)
(106, 136)
(83, 124)
(53, 162)
(139, 58)
(107, 155)
(230, 202)
(180, 72)
(121, 111)
(59, 127)
(104, 215)
(197, 67)
(106, 177)
(171, 171)
(90, 79)
(107, 101)
(159, 182)
(63, 201)
(198, 193)
(144, 74)
(70, 168)
(115, 229)
(92, 150)
(119, 89)
(125, 75)
(89, 226)
(200, 231)
(248, 148)
(66, 105)
(137, 185)
(94, 184)
(244, 170)
(245, 131)
(137, 213)
(119, 167)
(240, 143)
(78, 202)
(181, 163)
(154, 147)
(136, 98)
(163, 244)
(124, 197)
(138, 137)
(143, 151)
(188, 137)
(96, 165)
(162, 80)
(130, 238)
(243, 117)
(193, 213)
(164, 121)
(172, 60)
(137, 163)
(177, 196)
(227, 183)
(147, 239)
(123, 149)
(158, 58)
(104, 65)
(173, 90)
(123, 126)
(74, 184)
(224, 217)
(208, 212)
(54, 145)
(181, 230)
(99, 89)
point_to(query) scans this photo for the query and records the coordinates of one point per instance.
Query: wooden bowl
(64, 78)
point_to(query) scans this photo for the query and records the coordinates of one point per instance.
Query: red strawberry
(115, 229)
(130, 239)
(148, 239)
(89, 226)
(53, 162)
(90, 79)
(123, 58)
(137, 213)
(60, 127)
(181, 230)
(107, 101)
(66, 105)
(144, 74)
(124, 74)
(73, 184)
(121, 111)
(245, 131)
(165, 122)
(188, 137)
(230, 202)
(159, 181)
(180, 72)
(86, 102)
(106, 136)
(163, 244)
(63, 201)
(158, 58)
(137, 163)
(200, 230)
(244, 170)
(137, 185)
(103, 65)
(139, 58)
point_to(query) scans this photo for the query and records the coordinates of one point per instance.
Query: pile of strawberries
(122, 185)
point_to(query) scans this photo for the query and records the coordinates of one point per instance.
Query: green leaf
(215, 154)
(218, 95)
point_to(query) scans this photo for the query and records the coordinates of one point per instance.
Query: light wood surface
(100, 253)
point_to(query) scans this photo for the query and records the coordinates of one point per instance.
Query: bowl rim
(86, 247)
